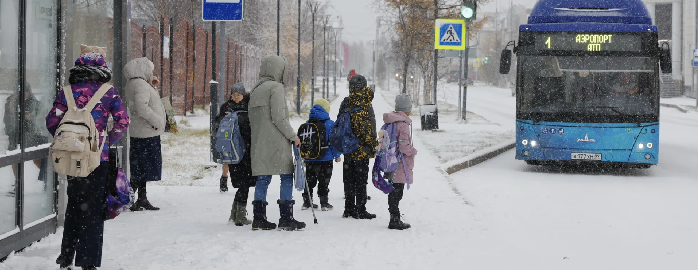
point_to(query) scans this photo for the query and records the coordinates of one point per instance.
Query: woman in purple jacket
(84, 221)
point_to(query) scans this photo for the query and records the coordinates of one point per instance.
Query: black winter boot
(350, 209)
(287, 221)
(260, 218)
(307, 200)
(363, 214)
(143, 202)
(64, 262)
(223, 184)
(395, 223)
(325, 206)
(361, 204)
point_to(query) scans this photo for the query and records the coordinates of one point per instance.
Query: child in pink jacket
(405, 146)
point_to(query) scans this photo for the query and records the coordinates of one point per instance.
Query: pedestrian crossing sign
(450, 34)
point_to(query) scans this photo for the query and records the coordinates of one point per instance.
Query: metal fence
(186, 82)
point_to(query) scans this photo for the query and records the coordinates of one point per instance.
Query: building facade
(678, 25)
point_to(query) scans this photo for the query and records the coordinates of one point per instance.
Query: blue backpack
(342, 139)
(229, 142)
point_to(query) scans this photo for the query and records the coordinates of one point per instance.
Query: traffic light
(486, 60)
(469, 9)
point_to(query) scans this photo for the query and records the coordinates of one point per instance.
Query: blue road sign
(222, 10)
(450, 34)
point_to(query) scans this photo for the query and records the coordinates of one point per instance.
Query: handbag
(299, 174)
(119, 195)
(170, 123)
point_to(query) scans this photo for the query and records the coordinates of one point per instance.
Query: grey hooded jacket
(272, 134)
(145, 107)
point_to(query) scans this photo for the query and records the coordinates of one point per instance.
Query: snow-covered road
(554, 218)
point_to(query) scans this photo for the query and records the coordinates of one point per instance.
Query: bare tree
(414, 45)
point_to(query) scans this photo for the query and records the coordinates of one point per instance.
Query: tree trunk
(406, 62)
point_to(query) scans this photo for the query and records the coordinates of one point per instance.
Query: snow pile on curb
(477, 157)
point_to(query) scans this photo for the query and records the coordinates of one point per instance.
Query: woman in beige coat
(147, 124)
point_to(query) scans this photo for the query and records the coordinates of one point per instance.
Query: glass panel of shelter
(40, 90)
(10, 142)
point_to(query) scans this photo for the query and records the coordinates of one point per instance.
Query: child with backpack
(241, 173)
(85, 107)
(318, 154)
(404, 173)
(357, 111)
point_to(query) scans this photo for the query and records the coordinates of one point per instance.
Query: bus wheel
(532, 162)
(645, 166)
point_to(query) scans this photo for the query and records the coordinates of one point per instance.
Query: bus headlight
(533, 143)
(524, 142)
(647, 156)
(641, 146)
(650, 145)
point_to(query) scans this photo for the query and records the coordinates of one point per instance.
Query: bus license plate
(586, 156)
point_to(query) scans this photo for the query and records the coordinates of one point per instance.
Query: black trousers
(318, 172)
(355, 176)
(242, 195)
(394, 199)
(84, 223)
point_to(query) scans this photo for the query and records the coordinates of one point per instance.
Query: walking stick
(306, 182)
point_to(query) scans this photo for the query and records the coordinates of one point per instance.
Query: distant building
(499, 29)
(678, 23)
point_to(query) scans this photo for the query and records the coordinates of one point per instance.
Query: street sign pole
(459, 88)
(213, 95)
(695, 75)
(465, 83)
(213, 11)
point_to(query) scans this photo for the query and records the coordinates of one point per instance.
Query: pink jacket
(403, 132)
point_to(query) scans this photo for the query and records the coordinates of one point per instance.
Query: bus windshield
(588, 89)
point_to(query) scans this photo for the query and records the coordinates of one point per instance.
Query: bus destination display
(591, 42)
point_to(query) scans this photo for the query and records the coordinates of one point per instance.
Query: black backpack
(313, 139)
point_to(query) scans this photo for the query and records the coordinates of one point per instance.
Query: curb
(477, 157)
(674, 106)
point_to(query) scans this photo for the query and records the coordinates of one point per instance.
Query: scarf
(85, 73)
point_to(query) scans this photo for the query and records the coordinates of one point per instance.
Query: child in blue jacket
(320, 170)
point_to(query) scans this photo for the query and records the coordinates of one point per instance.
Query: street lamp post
(278, 27)
(299, 59)
(325, 56)
(335, 59)
(314, 8)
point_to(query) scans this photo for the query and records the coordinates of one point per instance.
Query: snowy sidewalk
(490, 122)
(191, 230)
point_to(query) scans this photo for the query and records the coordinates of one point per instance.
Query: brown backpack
(75, 150)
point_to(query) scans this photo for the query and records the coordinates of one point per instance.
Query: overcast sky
(359, 16)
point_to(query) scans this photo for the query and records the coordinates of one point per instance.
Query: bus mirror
(505, 61)
(665, 59)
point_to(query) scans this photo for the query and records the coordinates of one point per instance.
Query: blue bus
(587, 87)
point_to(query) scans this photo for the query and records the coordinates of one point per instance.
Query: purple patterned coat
(111, 103)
